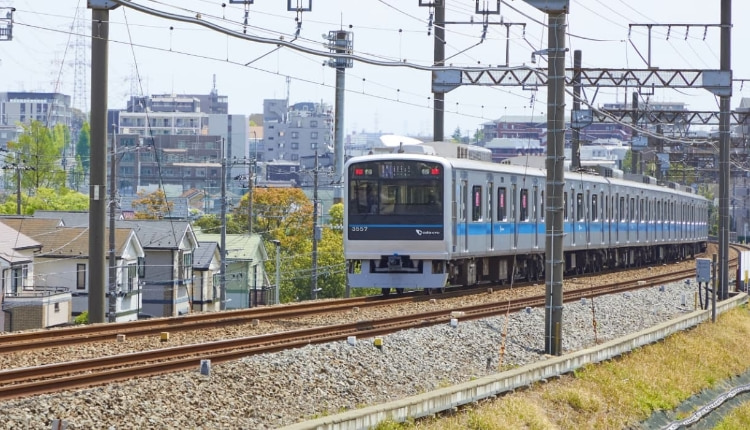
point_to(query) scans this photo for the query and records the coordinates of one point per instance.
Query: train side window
(622, 209)
(565, 206)
(594, 207)
(579, 207)
(631, 216)
(476, 203)
(524, 211)
(502, 204)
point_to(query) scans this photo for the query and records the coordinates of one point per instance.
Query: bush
(83, 318)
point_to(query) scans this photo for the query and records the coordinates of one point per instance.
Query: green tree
(296, 262)
(40, 151)
(152, 205)
(279, 213)
(627, 162)
(457, 136)
(212, 224)
(62, 199)
(83, 146)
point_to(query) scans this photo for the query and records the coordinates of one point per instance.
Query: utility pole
(339, 42)
(554, 233)
(98, 188)
(724, 148)
(18, 166)
(575, 162)
(314, 283)
(438, 109)
(223, 277)
(112, 259)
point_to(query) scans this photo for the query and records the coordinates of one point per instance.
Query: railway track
(83, 373)
(30, 340)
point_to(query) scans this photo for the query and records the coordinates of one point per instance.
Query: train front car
(395, 221)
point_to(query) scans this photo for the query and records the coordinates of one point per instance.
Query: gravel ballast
(272, 390)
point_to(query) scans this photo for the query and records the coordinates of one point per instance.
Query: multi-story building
(22, 107)
(186, 161)
(296, 132)
(184, 139)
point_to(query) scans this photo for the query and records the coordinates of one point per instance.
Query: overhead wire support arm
(669, 29)
(716, 81)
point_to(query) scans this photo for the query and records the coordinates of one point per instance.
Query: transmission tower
(80, 45)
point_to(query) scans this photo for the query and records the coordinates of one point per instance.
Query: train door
(565, 211)
(640, 218)
(490, 218)
(589, 214)
(476, 218)
(603, 216)
(502, 210)
(462, 215)
(513, 216)
(535, 215)
(523, 219)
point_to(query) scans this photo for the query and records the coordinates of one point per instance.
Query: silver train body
(415, 221)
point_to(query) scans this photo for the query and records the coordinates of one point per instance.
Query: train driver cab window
(476, 203)
(502, 204)
(524, 211)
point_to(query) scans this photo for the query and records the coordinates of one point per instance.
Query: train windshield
(395, 187)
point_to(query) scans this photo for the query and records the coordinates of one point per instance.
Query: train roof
(464, 163)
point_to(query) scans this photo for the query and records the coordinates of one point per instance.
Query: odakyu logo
(426, 232)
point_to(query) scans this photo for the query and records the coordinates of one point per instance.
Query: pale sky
(175, 57)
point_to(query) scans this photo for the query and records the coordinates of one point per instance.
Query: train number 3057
(360, 228)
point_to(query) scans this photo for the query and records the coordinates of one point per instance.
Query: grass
(619, 393)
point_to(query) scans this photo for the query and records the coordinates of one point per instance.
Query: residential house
(206, 278)
(24, 305)
(245, 278)
(169, 247)
(63, 264)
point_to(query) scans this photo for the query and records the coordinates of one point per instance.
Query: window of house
(80, 276)
(132, 275)
(187, 265)
(295, 157)
(57, 307)
(295, 145)
(313, 135)
(314, 145)
(295, 135)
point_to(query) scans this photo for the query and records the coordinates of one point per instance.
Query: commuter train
(426, 218)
